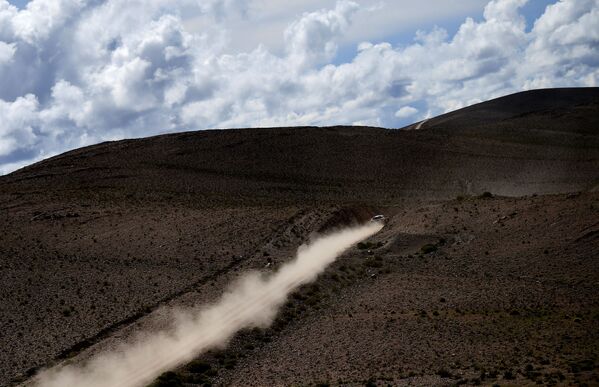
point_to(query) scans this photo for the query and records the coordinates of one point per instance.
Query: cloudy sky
(78, 72)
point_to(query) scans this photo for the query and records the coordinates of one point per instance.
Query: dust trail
(252, 302)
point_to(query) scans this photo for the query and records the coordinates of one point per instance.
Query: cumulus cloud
(6, 52)
(564, 46)
(406, 111)
(311, 39)
(18, 119)
(75, 72)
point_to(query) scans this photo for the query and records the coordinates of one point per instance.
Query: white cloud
(564, 46)
(65, 97)
(7, 51)
(504, 10)
(41, 18)
(7, 14)
(311, 40)
(74, 72)
(18, 120)
(264, 21)
(406, 111)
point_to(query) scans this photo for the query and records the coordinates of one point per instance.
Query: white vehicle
(378, 218)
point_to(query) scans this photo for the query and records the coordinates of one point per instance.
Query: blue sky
(73, 73)
(19, 3)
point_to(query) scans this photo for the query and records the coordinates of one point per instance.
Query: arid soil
(459, 287)
(509, 295)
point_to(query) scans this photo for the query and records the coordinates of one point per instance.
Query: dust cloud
(252, 302)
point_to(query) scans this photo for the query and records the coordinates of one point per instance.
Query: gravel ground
(94, 242)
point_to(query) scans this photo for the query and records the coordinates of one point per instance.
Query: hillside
(509, 146)
(94, 241)
(549, 110)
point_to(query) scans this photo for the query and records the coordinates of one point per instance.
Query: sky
(79, 72)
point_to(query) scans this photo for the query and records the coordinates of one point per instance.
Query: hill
(557, 110)
(94, 241)
(510, 146)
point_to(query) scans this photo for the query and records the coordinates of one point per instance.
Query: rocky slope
(93, 241)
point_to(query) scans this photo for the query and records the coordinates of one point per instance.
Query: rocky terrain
(486, 272)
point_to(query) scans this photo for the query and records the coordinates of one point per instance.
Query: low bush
(198, 367)
(582, 365)
(369, 245)
(428, 248)
(168, 379)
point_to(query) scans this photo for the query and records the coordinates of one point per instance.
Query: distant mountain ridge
(550, 109)
(540, 141)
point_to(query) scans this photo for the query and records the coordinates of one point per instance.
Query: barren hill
(541, 141)
(94, 241)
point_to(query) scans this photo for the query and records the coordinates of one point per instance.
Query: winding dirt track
(252, 303)
(419, 126)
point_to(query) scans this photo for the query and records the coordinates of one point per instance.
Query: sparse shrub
(230, 363)
(486, 195)
(68, 312)
(266, 339)
(428, 248)
(508, 375)
(444, 373)
(168, 379)
(211, 372)
(198, 367)
(369, 245)
(582, 365)
(31, 371)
